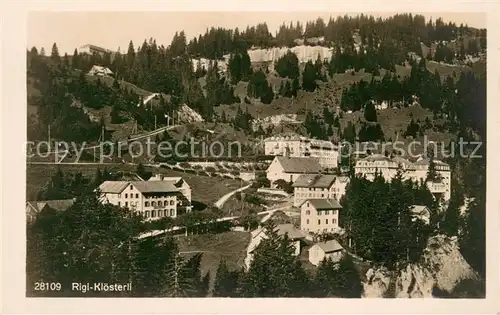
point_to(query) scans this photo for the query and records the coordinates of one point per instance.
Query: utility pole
(49, 136)
(155, 122)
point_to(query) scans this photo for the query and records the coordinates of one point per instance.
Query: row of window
(327, 212)
(334, 221)
(317, 189)
(158, 213)
(159, 203)
(131, 195)
(305, 195)
(137, 196)
(147, 203)
(324, 230)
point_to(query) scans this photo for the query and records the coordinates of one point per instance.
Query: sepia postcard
(328, 160)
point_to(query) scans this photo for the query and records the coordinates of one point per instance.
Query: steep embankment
(442, 267)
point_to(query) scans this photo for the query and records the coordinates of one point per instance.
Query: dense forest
(168, 70)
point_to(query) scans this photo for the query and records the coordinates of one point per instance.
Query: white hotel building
(153, 199)
(299, 146)
(416, 171)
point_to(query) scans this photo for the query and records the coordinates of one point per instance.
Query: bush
(210, 169)
(185, 165)
(261, 182)
(286, 186)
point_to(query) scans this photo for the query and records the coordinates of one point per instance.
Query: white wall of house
(275, 172)
(317, 254)
(147, 206)
(315, 221)
(302, 147)
(335, 191)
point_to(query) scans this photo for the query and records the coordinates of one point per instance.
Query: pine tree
(226, 282)
(309, 77)
(432, 174)
(54, 55)
(369, 112)
(75, 60)
(348, 279)
(275, 271)
(295, 87)
(325, 282)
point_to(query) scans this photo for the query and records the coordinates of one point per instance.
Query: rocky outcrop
(442, 266)
(187, 115)
(304, 53)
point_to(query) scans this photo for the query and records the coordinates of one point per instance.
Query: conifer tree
(370, 113)
(226, 282)
(275, 271)
(54, 55)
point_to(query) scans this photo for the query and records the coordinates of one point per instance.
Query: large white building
(152, 199)
(299, 146)
(416, 172)
(318, 186)
(320, 215)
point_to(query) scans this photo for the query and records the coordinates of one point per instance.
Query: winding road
(220, 203)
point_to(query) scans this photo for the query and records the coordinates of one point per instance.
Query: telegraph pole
(49, 136)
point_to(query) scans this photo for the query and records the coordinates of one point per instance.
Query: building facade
(290, 168)
(325, 250)
(178, 182)
(299, 146)
(319, 215)
(151, 199)
(416, 171)
(318, 186)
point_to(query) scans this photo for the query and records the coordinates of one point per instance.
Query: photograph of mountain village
(340, 157)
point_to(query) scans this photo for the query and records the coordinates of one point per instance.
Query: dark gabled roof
(324, 204)
(154, 186)
(292, 232)
(418, 209)
(330, 246)
(304, 165)
(282, 229)
(317, 180)
(58, 205)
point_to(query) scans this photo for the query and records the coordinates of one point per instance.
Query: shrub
(210, 169)
(286, 186)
